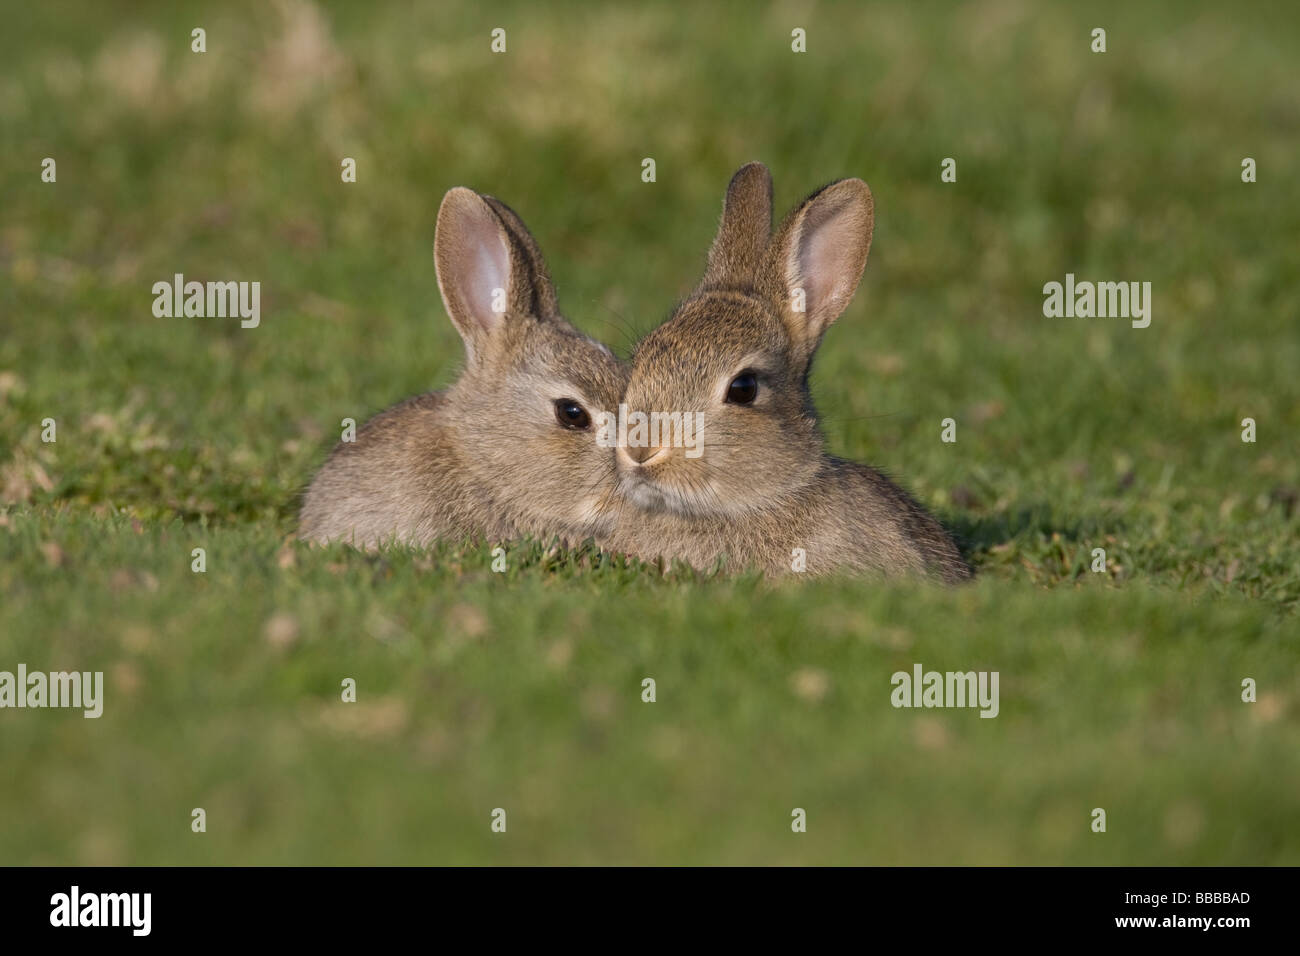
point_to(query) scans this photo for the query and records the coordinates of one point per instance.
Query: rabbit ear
(737, 251)
(545, 303)
(817, 258)
(490, 271)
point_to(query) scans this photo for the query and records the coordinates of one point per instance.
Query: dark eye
(570, 414)
(743, 389)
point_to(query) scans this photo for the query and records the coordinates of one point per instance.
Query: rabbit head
(524, 408)
(737, 353)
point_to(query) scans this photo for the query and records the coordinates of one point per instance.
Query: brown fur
(764, 484)
(485, 459)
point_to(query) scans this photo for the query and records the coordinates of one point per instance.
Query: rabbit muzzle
(641, 456)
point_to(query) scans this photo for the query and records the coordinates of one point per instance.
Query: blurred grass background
(477, 690)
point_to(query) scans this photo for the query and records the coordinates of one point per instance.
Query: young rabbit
(509, 449)
(737, 353)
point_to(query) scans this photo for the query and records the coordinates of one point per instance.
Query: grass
(522, 690)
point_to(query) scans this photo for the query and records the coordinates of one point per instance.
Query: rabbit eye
(743, 389)
(571, 415)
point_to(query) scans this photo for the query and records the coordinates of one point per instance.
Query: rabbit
(509, 449)
(737, 352)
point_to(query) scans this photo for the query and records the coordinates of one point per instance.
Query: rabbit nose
(643, 454)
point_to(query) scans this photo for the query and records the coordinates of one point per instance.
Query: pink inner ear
(826, 253)
(487, 270)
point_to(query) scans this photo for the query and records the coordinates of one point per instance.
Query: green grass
(523, 690)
